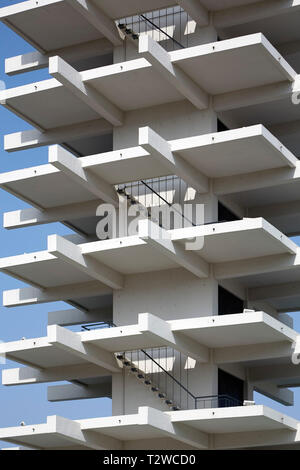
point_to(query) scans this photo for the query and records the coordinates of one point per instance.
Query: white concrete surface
(152, 113)
(191, 428)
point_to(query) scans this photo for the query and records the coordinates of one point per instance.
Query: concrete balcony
(73, 102)
(233, 427)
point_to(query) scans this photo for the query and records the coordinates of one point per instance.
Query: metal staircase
(152, 374)
(171, 27)
(152, 368)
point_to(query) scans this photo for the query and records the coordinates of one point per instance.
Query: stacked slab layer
(193, 103)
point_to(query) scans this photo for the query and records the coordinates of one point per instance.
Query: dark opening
(221, 126)
(228, 303)
(91, 145)
(230, 387)
(93, 62)
(225, 214)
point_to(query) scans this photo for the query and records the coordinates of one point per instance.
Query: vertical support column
(171, 294)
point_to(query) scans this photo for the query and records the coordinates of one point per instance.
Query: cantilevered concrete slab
(235, 329)
(215, 420)
(78, 97)
(193, 429)
(62, 348)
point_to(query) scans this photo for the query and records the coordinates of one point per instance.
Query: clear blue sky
(29, 403)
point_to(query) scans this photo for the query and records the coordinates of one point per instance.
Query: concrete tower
(173, 156)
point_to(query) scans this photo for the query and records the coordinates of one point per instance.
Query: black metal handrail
(167, 373)
(220, 401)
(134, 25)
(220, 398)
(161, 31)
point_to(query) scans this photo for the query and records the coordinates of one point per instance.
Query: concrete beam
(26, 63)
(244, 440)
(252, 352)
(30, 375)
(97, 18)
(284, 375)
(274, 291)
(68, 392)
(69, 341)
(31, 217)
(160, 239)
(254, 96)
(71, 79)
(265, 264)
(72, 167)
(160, 60)
(256, 180)
(275, 210)
(178, 431)
(154, 327)
(34, 138)
(253, 12)
(71, 430)
(196, 11)
(77, 317)
(71, 253)
(38, 60)
(161, 150)
(32, 295)
(281, 395)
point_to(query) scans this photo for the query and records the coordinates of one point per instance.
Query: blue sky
(29, 403)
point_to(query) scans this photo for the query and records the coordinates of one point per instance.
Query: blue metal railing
(98, 326)
(216, 401)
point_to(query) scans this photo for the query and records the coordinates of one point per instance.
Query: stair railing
(170, 389)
